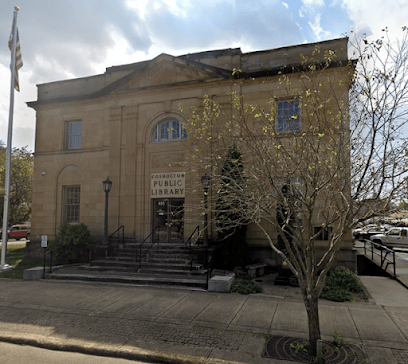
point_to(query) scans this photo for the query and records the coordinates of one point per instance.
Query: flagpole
(3, 265)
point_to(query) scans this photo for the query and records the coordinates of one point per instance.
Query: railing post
(393, 258)
(191, 258)
(140, 256)
(206, 263)
(44, 264)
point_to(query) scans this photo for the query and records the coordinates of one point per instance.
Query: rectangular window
(74, 134)
(288, 117)
(323, 233)
(70, 205)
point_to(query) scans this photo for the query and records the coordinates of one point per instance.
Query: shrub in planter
(245, 287)
(340, 285)
(344, 278)
(336, 294)
(71, 244)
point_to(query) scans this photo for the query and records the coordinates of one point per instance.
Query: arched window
(167, 130)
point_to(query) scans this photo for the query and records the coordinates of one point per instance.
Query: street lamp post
(205, 180)
(107, 185)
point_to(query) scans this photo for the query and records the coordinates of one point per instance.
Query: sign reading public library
(167, 185)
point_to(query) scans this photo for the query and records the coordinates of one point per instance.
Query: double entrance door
(168, 217)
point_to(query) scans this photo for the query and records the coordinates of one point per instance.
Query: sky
(63, 39)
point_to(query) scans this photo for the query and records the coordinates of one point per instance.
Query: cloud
(317, 29)
(256, 25)
(371, 16)
(58, 38)
(313, 3)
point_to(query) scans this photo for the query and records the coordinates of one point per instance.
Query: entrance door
(168, 215)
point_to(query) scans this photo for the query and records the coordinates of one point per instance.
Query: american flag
(19, 58)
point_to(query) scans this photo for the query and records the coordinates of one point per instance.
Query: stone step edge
(149, 264)
(198, 272)
(119, 279)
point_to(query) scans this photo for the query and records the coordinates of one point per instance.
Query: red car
(19, 231)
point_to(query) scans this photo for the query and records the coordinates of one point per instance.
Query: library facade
(126, 124)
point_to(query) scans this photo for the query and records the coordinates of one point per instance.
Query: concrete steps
(135, 279)
(167, 264)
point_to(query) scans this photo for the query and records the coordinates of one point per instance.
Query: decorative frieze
(169, 160)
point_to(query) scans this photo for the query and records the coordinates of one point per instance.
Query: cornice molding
(69, 152)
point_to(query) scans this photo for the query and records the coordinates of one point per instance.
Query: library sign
(168, 185)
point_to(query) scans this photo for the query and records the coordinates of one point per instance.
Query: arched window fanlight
(168, 130)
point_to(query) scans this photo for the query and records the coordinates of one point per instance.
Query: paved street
(186, 326)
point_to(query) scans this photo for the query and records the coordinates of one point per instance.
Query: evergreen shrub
(245, 287)
(71, 244)
(340, 285)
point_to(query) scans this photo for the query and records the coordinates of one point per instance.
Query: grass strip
(16, 257)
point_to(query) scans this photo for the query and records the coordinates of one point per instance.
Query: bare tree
(316, 145)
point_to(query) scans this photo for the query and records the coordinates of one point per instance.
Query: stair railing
(190, 239)
(209, 265)
(154, 237)
(50, 251)
(189, 243)
(108, 250)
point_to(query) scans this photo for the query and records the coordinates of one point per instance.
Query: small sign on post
(44, 245)
(43, 241)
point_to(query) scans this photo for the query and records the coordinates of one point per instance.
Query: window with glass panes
(71, 203)
(168, 130)
(288, 116)
(74, 134)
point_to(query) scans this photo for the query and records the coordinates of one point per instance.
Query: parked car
(19, 231)
(395, 237)
(368, 231)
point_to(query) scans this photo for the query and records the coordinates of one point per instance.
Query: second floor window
(168, 130)
(288, 118)
(74, 134)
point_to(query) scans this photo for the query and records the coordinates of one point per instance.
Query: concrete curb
(100, 349)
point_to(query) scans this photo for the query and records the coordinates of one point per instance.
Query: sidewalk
(182, 326)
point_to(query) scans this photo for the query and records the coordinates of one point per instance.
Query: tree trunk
(312, 308)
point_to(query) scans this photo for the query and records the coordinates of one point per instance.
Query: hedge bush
(340, 285)
(245, 287)
(71, 244)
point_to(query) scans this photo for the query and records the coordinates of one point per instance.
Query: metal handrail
(189, 240)
(122, 227)
(190, 245)
(157, 241)
(50, 251)
(384, 252)
(209, 263)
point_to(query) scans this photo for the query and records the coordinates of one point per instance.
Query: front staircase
(162, 264)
